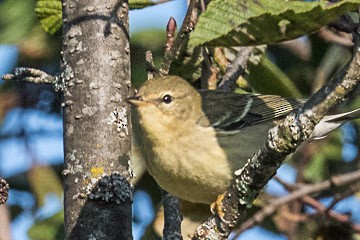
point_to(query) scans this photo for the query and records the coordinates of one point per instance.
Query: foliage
(41, 188)
(234, 22)
(49, 12)
(138, 4)
(16, 21)
(49, 229)
(267, 78)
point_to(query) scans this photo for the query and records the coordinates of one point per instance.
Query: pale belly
(192, 176)
(200, 172)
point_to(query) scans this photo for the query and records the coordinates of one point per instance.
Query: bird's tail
(331, 122)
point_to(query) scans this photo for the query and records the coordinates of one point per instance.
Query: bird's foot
(218, 209)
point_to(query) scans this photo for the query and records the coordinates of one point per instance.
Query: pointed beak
(134, 100)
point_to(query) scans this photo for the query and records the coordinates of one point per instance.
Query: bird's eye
(167, 99)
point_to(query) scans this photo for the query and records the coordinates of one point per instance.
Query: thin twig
(30, 75)
(170, 34)
(209, 73)
(235, 69)
(322, 209)
(353, 189)
(202, 5)
(186, 28)
(287, 186)
(300, 193)
(151, 70)
(220, 58)
(327, 210)
(340, 38)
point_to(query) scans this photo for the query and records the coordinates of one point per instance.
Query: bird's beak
(135, 100)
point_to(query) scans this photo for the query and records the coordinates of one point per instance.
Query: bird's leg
(218, 209)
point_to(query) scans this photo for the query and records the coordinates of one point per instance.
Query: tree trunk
(97, 138)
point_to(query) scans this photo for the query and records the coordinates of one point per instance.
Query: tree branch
(236, 68)
(340, 38)
(301, 192)
(186, 28)
(172, 217)
(30, 75)
(5, 229)
(150, 68)
(97, 136)
(321, 209)
(170, 34)
(282, 140)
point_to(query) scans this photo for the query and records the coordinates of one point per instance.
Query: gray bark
(96, 75)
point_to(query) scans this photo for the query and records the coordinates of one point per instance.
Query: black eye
(167, 99)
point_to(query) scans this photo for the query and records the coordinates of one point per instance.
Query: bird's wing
(231, 111)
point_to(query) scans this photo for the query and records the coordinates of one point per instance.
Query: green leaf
(49, 229)
(16, 20)
(254, 22)
(138, 4)
(326, 162)
(41, 188)
(265, 77)
(317, 170)
(49, 13)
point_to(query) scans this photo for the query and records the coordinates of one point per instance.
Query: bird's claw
(218, 209)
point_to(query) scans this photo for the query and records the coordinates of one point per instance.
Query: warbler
(194, 140)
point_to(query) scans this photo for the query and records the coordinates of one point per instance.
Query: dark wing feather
(231, 111)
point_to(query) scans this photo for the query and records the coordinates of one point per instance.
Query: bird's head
(168, 99)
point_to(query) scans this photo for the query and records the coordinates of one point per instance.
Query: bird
(194, 140)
